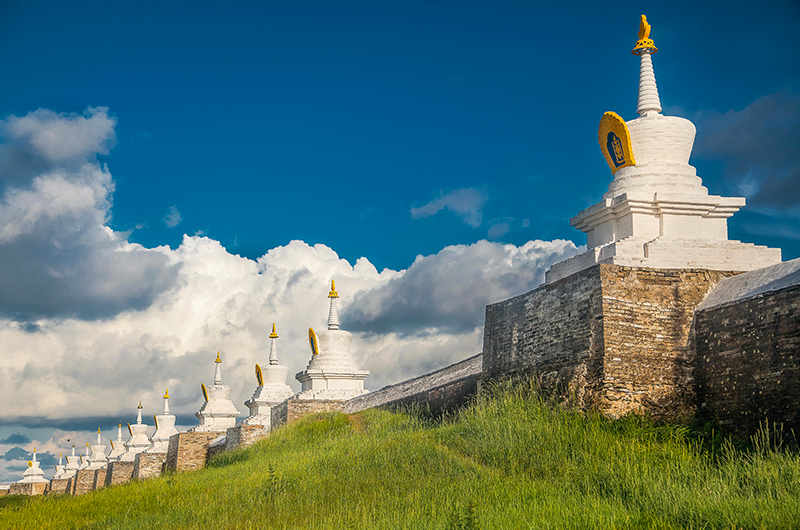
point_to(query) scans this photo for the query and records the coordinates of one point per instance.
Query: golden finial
(166, 394)
(140, 405)
(98, 430)
(274, 334)
(218, 360)
(60, 455)
(333, 293)
(34, 449)
(645, 44)
(87, 445)
(120, 425)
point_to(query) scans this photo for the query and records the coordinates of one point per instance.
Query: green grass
(514, 460)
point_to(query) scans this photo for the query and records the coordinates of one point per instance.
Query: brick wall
(243, 436)
(188, 450)
(58, 485)
(27, 488)
(100, 477)
(119, 473)
(292, 410)
(148, 465)
(84, 482)
(748, 361)
(438, 392)
(614, 338)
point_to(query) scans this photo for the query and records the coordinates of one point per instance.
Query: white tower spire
(218, 370)
(648, 91)
(99, 441)
(139, 415)
(273, 348)
(333, 313)
(34, 454)
(166, 401)
(119, 432)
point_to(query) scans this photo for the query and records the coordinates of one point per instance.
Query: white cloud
(466, 203)
(173, 217)
(498, 230)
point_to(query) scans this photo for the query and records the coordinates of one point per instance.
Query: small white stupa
(60, 467)
(165, 427)
(656, 212)
(118, 447)
(218, 411)
(85, 458)
(34, 473)
(98, 459)
(138, 441)
(272, 388)
(73, 463)
(331, 373)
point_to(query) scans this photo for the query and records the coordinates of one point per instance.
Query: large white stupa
(138, 442)
(218, 411)
(656, 212)
(118, 447)
(331, 373)
(272, 388)
(165, 427)
(33, 473)
(98, 458)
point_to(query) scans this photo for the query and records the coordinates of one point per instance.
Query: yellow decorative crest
(30, 463)
(166, 393)
(140, 405)
(205, 392)
(273, 335)
(615, 141)
(98, 430)
(155, 421)
(259, 375)
(218, 360)
(129, 429)
(112, 443)
(312, 341)
(645, 44)
(333, 293)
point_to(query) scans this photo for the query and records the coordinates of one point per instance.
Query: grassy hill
(514, 460)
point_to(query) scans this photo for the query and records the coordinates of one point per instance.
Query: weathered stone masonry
(616, 337)
(748, 354)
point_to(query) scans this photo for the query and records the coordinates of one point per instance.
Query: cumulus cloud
(173, 217)
(57, 252)
(466, 203)
(760, 148)
(448, 291)
(16, 438)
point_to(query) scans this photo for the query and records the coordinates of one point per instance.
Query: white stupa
(138, 442)
(73, 463)
(218, 411)
(272, 388)
(118, 447)
(331, 373)
(656, 212)
(165, 427)
(85, 458)
(34, 473)
(98, 458)
(60, 470)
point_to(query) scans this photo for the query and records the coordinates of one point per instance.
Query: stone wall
(243, 436)
(84, 482)
(4, 490)
(188, 451)
(58, 486)
(27, 488)
(438, 392)
(100, 477)
(292, 410)
(119, 473)
(613, 338)
(148, 465)
(748, 351)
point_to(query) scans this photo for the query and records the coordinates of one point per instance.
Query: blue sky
(174, 178)
(327, 122)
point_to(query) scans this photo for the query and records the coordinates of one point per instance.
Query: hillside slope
(512, 461)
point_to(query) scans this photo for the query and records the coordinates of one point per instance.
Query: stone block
(611, 337)
(100, 477)
(148, 465)
(28, 488)
(119, 473)
(293, 409)
(243, 436)
(188, 451)
(84, 482)
(4, 490)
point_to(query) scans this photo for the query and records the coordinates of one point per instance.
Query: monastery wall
(84, 482)
(148, 465)
(747, 338)
(58, 485)
(438, 392)
(615, 338)
(119, 473)
(188, 450)
(292, 410)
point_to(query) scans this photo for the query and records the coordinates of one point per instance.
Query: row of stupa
(331, 375)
